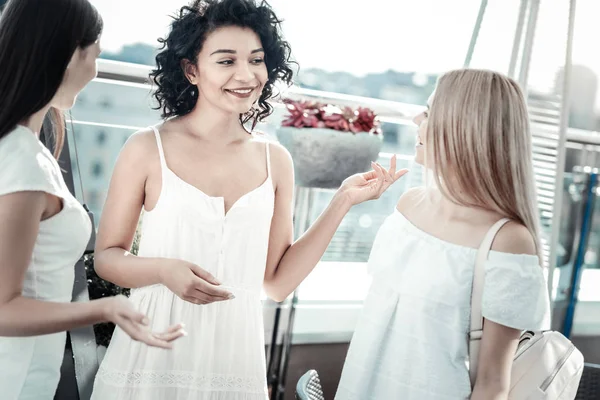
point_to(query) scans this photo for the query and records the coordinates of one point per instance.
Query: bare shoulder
(410, 198)
(280, 156)
(514, 238)
(138, 155)
(282, 165)
(141, 143)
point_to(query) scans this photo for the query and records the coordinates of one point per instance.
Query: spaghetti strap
(161, 153)
(268, 161)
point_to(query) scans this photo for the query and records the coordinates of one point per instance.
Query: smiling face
(230, 72)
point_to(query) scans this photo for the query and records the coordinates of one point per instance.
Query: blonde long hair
(478, 136)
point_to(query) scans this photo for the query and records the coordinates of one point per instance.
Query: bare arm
(20, 215)
(498, 347)
(289, 262)
(120, 216)
(499, 343)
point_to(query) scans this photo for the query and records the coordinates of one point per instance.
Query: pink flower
(365, 120)
(310, 114)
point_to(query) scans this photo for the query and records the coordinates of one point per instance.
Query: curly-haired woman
(218, 211)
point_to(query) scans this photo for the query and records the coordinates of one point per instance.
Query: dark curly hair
(190, 29)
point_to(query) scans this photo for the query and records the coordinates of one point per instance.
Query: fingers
(392, 169)
(170, 336)
(207, 276)
(387, 176)
(153, 341)
(213, 291)
(202, 298)
(205, 293)
(175, 328)
(390, 174)
(142, 334)
(377, 184)
(370, 175)
(378, 170)
(400, 174)
(140, 318)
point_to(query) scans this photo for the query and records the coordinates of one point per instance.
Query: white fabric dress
(30, 366)
(411, 340)
(223, 357)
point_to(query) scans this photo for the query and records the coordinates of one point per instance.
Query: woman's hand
(120, 311)
(192, 283)
(370, 185)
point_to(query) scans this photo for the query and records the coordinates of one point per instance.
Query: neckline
(33, 139)
(221, 199)
(167, 170)
(28, 131)
(459, 247)
(428, 236)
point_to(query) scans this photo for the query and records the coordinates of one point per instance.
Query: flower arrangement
(311, 114)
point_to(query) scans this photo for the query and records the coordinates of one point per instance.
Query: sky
(360, 37)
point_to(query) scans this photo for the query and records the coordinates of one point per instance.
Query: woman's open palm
(371, 185)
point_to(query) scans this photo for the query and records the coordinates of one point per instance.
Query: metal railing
(387, 110)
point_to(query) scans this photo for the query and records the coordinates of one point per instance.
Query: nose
(418, 118)
(243, 73)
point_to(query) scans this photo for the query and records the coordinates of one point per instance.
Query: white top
(223, 357)
(411, 342)
(30, 366)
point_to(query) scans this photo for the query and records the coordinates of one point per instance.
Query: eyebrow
(228, 51)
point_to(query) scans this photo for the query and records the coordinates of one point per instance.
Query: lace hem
(183, 379)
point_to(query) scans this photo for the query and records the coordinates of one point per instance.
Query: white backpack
(546, 365)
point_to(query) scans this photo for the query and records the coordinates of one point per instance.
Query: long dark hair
(189, 29)
(37, 41)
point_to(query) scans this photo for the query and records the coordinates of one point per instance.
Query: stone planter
(323, 158)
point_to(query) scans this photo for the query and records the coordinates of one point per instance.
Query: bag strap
(476, 331)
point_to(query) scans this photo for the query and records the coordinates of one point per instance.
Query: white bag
(546, 365)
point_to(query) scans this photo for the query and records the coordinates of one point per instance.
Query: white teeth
(243, 91)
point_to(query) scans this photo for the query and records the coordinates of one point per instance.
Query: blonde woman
(411, 342)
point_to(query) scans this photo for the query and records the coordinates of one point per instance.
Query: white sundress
(223, 356)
